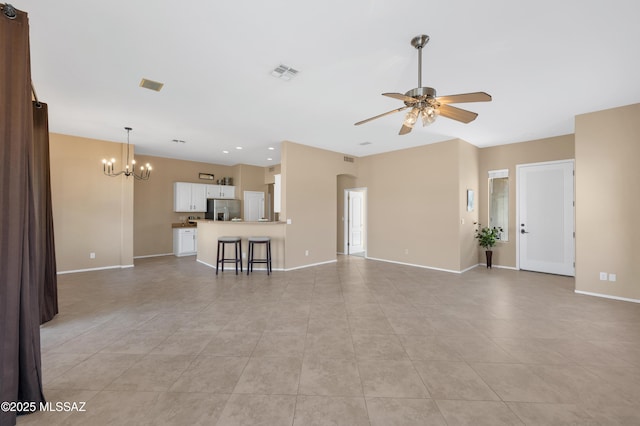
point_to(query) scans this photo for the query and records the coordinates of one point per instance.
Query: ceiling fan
(424, 102)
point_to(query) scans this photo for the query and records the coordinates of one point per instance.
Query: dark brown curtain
(45, 247)
(20, 368)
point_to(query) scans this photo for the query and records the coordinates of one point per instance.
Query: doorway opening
(355, 228)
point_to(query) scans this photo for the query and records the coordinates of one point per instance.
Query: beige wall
(608, 201)
(413, 205)
(91, 212)
(309, 183)
(270, 173)
(507, 157)
(468, 157)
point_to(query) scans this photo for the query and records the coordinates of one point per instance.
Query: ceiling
(543, 62)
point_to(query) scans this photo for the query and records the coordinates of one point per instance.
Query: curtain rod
(9, 11)
(35, 97)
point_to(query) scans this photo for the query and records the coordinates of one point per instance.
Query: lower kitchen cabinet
(185, 241)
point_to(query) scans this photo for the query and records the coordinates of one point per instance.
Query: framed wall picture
(470, 200)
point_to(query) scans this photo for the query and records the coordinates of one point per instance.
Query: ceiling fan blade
(402, 97)
(404, 129)
(457, 114)
(465, 97)
(381, 115)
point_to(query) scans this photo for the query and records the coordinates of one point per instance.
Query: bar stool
(251, 254)
(220, 259)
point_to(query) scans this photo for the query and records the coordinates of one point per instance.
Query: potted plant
(487, 238)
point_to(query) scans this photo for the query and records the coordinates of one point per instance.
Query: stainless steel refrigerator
(218, 209)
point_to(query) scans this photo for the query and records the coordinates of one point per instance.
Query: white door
(253, 205)
(545, 228)
(356, 222)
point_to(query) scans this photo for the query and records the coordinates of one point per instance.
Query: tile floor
(358, 342)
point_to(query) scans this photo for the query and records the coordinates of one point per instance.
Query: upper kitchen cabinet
(189, 197)
(221, 191)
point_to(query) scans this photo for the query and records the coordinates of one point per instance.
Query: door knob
(522, 231)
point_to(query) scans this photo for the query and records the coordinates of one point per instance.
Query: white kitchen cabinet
(185, 241)
(213, 191)
(221, 191)
(189, 197)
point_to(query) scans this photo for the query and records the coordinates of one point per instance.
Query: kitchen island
(210, 230)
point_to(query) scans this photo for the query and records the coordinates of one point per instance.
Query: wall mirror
(499, 201)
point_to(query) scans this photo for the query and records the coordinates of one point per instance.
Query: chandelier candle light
(108, 167)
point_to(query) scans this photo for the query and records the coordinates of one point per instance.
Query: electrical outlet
(244, 255)
(288, 221)
(92, 255)
(306, 252)
(603, 276)
(612, 277)
(406, 251)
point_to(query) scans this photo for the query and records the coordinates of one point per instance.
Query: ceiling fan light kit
(424, 102)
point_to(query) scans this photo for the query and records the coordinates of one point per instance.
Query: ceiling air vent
(349, 159)
(151, 85)
(284, 72)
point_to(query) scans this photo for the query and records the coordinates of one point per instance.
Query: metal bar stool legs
(251, 253)
(220, 256)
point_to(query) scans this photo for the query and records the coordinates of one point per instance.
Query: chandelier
(108, 167)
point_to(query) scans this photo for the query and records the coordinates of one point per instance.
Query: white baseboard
(607, 296)
(312, 264)
(206, 264)
(416, 266)
(470, 268)
(255, 269)
(95, 269)
(513, 268)
(278, 269)
(153, 255)
(441, 269)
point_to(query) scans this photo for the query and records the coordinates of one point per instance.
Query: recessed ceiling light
(151, 85)
(365, 143)
(269, 159)
(225, 152)
(271, 148)
(238, 147)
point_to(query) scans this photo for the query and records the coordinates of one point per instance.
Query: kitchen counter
(210, 230)
(183, 225)
(238, 222)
